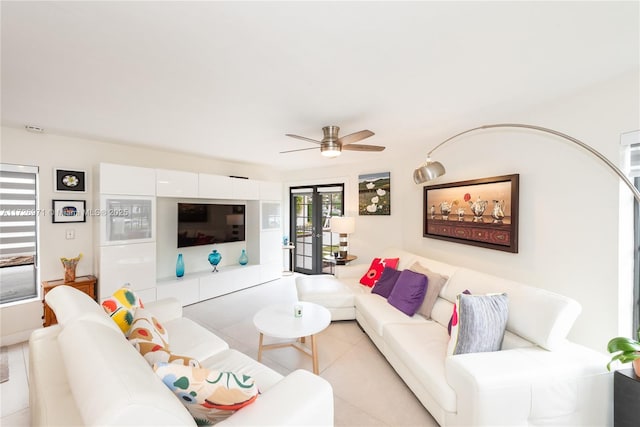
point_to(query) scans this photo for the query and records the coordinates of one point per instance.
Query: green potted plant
(625, 350)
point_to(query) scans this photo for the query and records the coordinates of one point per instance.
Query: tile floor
(367, 390)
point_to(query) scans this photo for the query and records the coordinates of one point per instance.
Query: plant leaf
(623, 344)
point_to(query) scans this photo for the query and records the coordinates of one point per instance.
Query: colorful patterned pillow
(121, 306)
(147, 335)
(210, 396)
(480, 324)
(375, 270)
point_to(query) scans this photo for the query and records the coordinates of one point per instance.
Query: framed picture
(69, 180)
(374, 194)
(480, 212)
(65, 211)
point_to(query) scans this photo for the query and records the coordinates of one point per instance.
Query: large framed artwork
(480, 212)
(374, 194)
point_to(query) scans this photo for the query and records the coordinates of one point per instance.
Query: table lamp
(343, 225)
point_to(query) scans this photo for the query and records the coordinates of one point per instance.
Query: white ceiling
(229, 79)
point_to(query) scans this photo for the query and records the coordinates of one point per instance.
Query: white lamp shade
(343, 224)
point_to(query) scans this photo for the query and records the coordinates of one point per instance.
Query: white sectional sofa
(83, 371)
(538, 377)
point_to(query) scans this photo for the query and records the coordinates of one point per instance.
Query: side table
(626, 398)
(86, 284)
(333, 261)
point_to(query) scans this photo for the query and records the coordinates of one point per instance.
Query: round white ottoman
(329, 292)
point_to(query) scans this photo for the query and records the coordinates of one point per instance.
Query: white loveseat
(83, 371)
(538, 378)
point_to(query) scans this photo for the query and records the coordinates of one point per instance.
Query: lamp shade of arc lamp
(432, 169)
(343, 225)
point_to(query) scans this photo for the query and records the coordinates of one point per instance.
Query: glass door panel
(311, 210)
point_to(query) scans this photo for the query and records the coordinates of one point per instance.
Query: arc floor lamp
(433, 169)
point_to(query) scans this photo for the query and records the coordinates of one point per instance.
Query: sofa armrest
(165, 309)
(301, 398)
(527, 386)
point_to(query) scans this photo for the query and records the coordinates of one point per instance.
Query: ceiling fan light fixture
(330, 150)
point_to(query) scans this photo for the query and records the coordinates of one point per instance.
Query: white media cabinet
(143, 259)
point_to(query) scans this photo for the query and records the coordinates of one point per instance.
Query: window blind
(18, 214)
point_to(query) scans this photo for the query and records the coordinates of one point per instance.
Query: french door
(311, 210)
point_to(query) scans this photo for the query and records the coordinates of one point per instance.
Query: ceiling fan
(332, 145)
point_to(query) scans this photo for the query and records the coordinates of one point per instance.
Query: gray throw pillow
(435, 282)
(482, 320)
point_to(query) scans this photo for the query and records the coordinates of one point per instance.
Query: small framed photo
(69, 180)
(65, 211)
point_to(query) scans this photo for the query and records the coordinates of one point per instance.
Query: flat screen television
(208, 223)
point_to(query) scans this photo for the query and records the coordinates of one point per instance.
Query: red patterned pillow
(375, 270)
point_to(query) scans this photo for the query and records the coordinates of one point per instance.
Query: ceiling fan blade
(363, 147)
(304, 138)
(355, 137)
(299, 149)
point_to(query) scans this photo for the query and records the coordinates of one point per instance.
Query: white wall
(570, 226)
(49, 151)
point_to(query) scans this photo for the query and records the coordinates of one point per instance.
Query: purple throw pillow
(408, 293)
(386, 282)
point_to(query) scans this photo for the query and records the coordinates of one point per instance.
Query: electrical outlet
(70, 234)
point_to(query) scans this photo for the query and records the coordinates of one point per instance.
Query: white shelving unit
(130, 261)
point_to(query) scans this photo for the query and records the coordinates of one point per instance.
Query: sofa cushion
(209, 395)
(190, 338)
(376, 312)
(422, 348)
(111, 383)
(555, 314)
(121, 307)
(326, 291)
(386, 283)
(435, 282)
(48, 382)
(408, 293)
(375, 270)
(480, 324)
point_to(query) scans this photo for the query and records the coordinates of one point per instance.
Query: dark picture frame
(69, 180)
(448, 212)
(68, 211)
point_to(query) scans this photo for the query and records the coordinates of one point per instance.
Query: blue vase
(179, 266)
(244, 259)
(214, 259)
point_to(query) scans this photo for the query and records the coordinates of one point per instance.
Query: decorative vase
(179, 266)
(70, 265)
(636, 367)
(243, 258)
(478, 207)
(214, 259)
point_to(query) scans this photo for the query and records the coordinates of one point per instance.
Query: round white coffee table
(279, 321)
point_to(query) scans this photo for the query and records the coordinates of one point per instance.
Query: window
(18, 233)
(635, 176)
